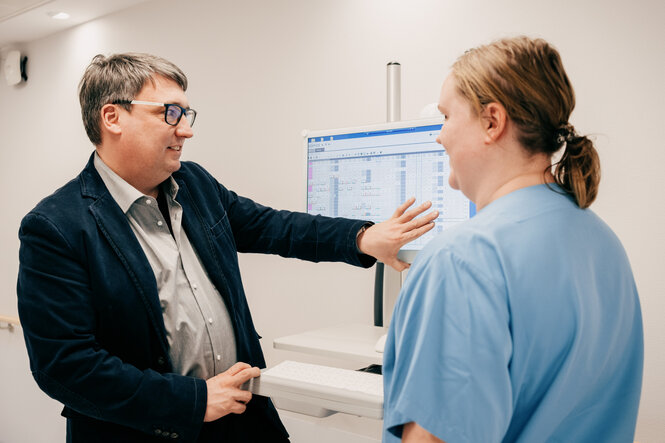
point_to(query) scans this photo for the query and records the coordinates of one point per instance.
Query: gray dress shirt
(198, 326)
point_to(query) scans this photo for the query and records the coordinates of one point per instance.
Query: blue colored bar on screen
(376, 133)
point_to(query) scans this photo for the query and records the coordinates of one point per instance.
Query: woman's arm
(413, 433)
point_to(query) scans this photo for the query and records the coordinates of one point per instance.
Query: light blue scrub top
(521, 325)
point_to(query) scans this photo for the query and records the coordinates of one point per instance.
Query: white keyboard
(321, 390)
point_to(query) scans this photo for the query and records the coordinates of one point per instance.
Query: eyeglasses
(172, 112)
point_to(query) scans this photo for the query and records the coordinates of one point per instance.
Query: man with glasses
(129, 289)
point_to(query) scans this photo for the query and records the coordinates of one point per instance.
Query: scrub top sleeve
(448, 351)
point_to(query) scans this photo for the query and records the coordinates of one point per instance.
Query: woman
(522, 324)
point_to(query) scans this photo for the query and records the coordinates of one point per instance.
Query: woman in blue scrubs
(522, 324)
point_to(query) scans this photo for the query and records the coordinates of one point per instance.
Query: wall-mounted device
(15, 68)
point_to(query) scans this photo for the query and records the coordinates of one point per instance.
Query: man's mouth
(175, 148)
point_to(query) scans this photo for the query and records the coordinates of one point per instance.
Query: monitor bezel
(371, 127)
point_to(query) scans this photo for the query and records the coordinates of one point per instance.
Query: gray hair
(119, 77)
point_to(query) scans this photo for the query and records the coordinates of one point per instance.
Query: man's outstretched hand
(383, 240)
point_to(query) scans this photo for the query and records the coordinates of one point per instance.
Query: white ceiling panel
(22, 21)
(12, 8)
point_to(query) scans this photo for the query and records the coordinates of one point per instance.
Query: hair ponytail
(578, 171)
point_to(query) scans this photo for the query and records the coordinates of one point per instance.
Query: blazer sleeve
(261, 229)
(59, 319)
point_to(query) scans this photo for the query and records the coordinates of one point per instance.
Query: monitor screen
(367, 172)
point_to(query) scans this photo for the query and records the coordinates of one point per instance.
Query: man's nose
(183, 129)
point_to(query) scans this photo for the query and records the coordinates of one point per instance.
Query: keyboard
(320, 391)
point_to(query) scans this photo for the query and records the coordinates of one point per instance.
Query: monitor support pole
(394, 93)
(394, 107)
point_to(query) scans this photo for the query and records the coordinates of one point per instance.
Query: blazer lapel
(200, 236)
(113, 225)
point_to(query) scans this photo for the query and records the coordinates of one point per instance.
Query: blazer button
(174, 435)
(161, 361)
(158, 432)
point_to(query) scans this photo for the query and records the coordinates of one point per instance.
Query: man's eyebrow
(176, 102)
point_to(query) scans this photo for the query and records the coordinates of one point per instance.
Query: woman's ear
(494, 117)
(110, 119)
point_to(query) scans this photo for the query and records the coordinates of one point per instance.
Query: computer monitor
(367, 172)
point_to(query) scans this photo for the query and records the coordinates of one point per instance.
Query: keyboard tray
(320, 391)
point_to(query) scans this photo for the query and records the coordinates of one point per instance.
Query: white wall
(262, 71)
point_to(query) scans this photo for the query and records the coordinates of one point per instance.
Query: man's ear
(110, 119)
(494, 117)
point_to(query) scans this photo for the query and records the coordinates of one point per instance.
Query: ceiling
(23, 21)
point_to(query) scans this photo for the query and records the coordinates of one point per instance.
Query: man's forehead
(164, 89)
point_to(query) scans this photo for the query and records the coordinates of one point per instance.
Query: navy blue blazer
(90, 311)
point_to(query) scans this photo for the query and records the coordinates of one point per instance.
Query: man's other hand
(383, 240)
(224, 393)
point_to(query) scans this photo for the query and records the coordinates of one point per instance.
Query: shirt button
(148, 201)
(210, 320)
(194, 287)
(219, 357)
(159, 223)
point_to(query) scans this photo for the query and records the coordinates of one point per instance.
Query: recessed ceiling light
(58, 15)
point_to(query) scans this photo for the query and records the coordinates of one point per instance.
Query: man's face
(461, 136)
(149, 149)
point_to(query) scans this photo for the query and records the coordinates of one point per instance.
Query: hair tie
(565, 133)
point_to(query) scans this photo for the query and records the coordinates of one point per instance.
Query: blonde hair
(527, 78)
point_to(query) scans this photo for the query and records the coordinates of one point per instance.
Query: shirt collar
(122, 192)
(170, 187)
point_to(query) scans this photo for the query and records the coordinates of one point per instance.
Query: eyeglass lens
(174, 113)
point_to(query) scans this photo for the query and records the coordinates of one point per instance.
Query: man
(129, 289)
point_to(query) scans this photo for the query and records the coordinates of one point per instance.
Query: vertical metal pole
(394, 92)
(393, 114)
(378, 294)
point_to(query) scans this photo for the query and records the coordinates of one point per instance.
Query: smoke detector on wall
(15, 68)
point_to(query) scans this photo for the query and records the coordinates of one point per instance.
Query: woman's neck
(536, 176)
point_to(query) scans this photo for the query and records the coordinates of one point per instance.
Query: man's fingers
(401, 208)
(243, 396)
(238, 408)
(408, 227)
(240, 366)
(415, 233)
(412, 213)
(430, 217)
(425, 219)
(398, 265)
(244, 375)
